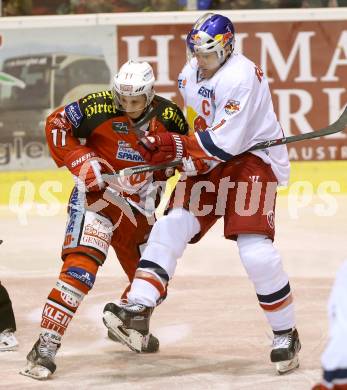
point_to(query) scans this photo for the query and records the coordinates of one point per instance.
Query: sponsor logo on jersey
(60, 122)
(106, 95)
(171, 114)
(82, 275)
(127, 153)
(232, 106)
(182, 83)
(74, 114)
(82, 159)
(99, 108)
(120, 127)
(205, 92)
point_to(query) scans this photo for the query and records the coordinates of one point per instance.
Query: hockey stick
(335, 127)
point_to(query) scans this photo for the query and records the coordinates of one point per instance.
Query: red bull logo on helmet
(227, 37)
(224, 38)
(195, 39)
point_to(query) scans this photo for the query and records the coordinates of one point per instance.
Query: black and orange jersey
(95, 122)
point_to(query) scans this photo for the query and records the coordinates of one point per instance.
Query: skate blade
(113, 336)
(287, 366)
(9, 348)
(36, 372)
(130, 337)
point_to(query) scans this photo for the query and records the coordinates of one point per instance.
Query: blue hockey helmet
(211, 33)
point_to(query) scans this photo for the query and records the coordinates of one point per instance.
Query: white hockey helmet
(134, 79)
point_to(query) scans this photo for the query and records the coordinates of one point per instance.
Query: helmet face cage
(133, 79)
(211, 33)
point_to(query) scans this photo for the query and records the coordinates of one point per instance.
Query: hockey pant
(7, 320)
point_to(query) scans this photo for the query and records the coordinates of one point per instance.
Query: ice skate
(40, 360)
(285, 349)
(129, 324)
(151, 347)
(8, 341)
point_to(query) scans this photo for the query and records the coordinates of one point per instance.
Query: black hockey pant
(7, 320)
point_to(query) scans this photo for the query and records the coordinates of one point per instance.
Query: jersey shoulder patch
(173, 119)
(74, 114)
(96, 108)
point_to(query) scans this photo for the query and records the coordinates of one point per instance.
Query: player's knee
(175, 230)
(260, 258)
(79, 271)
(80, 230)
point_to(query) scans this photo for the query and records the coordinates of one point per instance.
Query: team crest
(232, 106)
(120, 127)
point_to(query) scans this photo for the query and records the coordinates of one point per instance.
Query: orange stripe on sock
(278, 305)
(154, 283)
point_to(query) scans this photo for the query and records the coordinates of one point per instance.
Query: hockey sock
(60, 307)
(75, 280)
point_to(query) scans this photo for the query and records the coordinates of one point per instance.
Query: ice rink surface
(213, 334)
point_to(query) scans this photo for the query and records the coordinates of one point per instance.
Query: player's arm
(59, 136)
(62, 129)
(171, 119)
(224, 139)
(227, 136)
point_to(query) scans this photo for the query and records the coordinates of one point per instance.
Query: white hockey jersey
(232, 111)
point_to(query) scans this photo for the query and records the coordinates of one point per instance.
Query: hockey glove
(161, 148)
(83, 163)
(194, 166)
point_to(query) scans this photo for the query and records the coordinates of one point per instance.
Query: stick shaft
(335, 127)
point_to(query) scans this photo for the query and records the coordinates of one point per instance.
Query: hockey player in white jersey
(229, 106)
(334, 358)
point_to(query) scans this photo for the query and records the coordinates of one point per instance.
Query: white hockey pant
(167, 242)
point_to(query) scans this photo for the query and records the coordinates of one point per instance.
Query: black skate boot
(129, 324)
(40, 360)
(285, 349)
